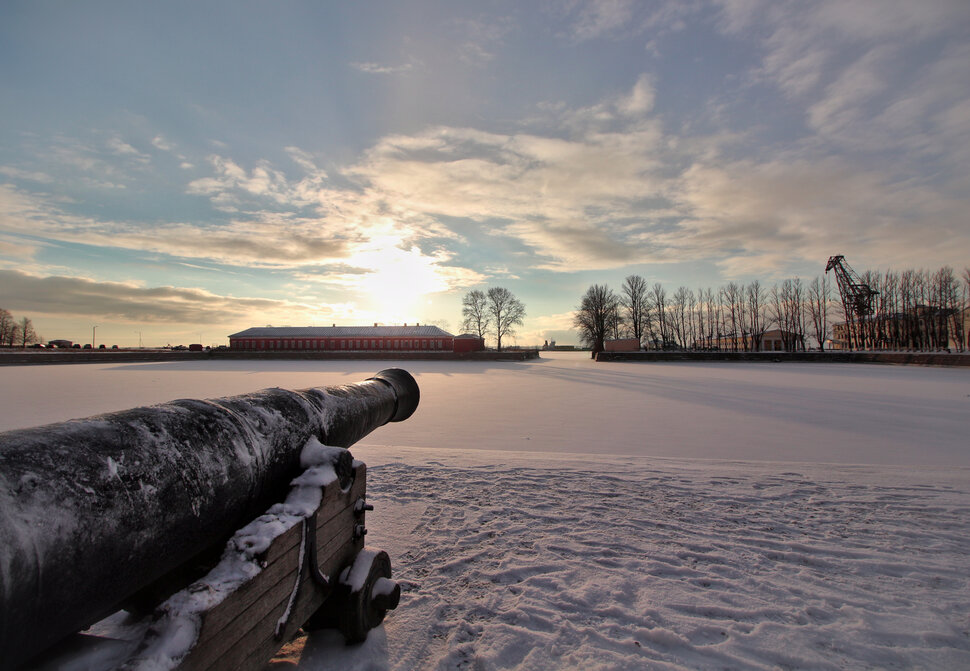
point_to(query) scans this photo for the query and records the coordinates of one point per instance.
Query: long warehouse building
(353, 338)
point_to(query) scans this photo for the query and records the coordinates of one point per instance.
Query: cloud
(598, 18)
(269, 240)
(18, 250)
(603, 185)
(160, 142)
(755, 218)
(378, 69)
(617, 19)
(640, 100)
(479, 38)
(119, 147)
(872, 75)
(27, 175)
(569, 198)
(83, 297)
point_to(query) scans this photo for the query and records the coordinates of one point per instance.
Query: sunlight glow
(399, 280)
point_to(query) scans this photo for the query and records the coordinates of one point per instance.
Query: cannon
(230, 520)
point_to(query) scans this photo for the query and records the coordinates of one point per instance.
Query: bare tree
(755, 314)
(732, 296)
(946, 301)
(658, 305)
(708, 318)
(505, 311)
(680, 304)
(26, 334)
(474, 310)
(634, 302)
(960, 320)
(14, 336)
(788, 307)
(592, 317)
(617, 321)
(691, 327)
(819, 297)
(7, 326)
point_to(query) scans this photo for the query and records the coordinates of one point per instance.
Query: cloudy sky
(178, 171)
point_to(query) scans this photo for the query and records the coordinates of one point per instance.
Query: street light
(94, 332)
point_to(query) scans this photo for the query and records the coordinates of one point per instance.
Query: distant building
(468, 342)
(346, 339)
(774, 340)
(622, 345)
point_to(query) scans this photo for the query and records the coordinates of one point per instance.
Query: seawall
(20, 357)
(893, 358)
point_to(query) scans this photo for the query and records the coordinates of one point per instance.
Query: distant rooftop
(415, 331)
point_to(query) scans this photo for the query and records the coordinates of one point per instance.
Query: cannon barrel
(94, 510)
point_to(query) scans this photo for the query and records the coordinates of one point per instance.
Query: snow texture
(535, 562)
(565, 514)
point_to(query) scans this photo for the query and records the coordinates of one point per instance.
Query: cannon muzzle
(94, 510)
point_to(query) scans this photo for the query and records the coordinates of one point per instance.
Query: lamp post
(94, 332)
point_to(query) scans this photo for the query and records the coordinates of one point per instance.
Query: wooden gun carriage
(233, 522)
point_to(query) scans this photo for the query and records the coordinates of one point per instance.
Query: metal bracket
(310, 526)
(308, 551)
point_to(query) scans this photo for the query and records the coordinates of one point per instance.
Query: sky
(176, 172)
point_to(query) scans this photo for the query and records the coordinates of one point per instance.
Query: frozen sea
(562, 513)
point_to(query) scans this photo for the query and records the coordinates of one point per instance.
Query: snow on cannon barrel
(94, 512)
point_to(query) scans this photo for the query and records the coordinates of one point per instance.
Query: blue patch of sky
(110, 264)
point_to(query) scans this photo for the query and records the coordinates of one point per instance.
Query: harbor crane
(856, 295)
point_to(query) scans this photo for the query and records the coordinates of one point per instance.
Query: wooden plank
(242, 615)
(284, 559)
(239, 632)
(334, 499)
(255, 657)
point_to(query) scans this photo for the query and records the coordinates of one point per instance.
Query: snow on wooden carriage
(231, 522)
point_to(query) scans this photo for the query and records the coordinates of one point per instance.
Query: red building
(467, 342)
(344, 339)
(622, 345)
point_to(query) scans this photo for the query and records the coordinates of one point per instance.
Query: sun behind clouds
(399, 279)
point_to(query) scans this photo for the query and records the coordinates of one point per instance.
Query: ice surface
(564, 402)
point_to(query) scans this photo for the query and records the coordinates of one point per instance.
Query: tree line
(915, 310)
(495, 312)
(16, 332)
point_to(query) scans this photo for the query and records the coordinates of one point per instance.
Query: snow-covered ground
(566, 514)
